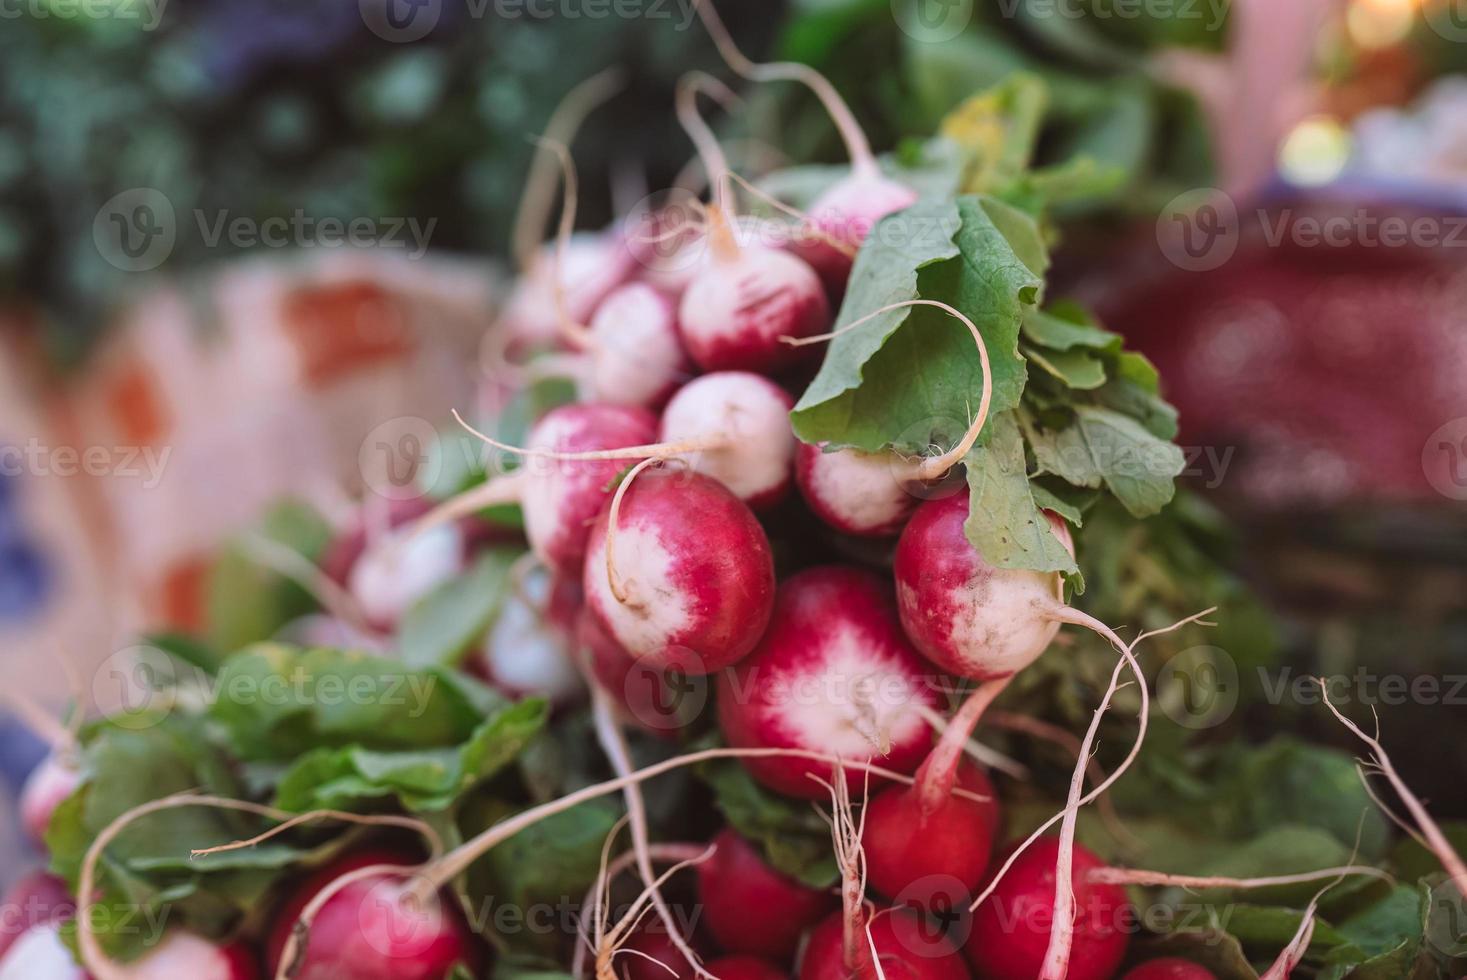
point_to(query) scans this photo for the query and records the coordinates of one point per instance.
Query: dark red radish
(650, 954)
(528, 650)
(35, 900)
(965, 615)
(749, 907)
(1169, 968)
(833, 674)
(52, 781)
(752, 412)
(842, 217)
(679, 572)
(1010, 929)
(745, 296)
(40, 954)
(375, 927)
(745, 968)
(658, 701)
(854, 492)
(906, 947)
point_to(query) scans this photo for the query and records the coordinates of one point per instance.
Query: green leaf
(424, 780)
(1004, 521)
(1133, 391)
(1075, 369)
(1412, 861)
(910, 378)
(278, 701)
(793, 837)
(1104, 446)
(441, 627)
(1064, 326)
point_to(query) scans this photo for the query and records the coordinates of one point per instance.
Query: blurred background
(247, 246)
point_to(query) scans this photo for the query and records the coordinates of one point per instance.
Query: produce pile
(791, 497)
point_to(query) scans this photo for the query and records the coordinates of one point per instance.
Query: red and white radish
(390, 576)
(188, 955)
(528, 650)
(1010, 929)
(752, 909)
(1169, 968)
(52, 781)
(897, 939)
(679, 572)
(842, 217)
(661, 702)
(964, 614)
(834, 675)
(744, 297)
(854, 492)
(755, 458)
(35, 900)
(39, 954)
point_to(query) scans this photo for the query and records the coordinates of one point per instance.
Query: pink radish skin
(844, 216)
(752, 909)
(35, 900)
(646, 696)
(694, 568)
(526, 652)
(854, 492)
(372, 928)
(635, 355)
(1169, 968)
(754, 412)
(965, 615)
(51, 782)
(1010, 931)
(561, 497)
(745, 968)
(833, 674)
(186, 955)
(739, 305)
(906, 948)
(39, 954)
(915, 854)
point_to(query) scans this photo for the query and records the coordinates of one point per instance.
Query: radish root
(597, 909)
(1136, 876)
(939, 772)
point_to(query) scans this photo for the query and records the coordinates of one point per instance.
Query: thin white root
(614, 744)
(291, 564)
(1136, 876)
(616, 938)
(935, 467)
(613, 577)
(850, 857)
(57, 736)
(938, 774)
(984, 755)
(576, 334)
(539, 192)
(1436, 841)
(857, 146)
(507, 488)
(657, 450)
(595, 906)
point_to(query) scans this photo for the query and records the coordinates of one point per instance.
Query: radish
(842, 217)
(36, 900)
(391, 576)
(679, 572)
(51, 782)
(744, 297)
(187, 955)
(661, 702)
(745, 968)
(1010, 929)
(527, 652)
(854, 492)
(39, 954)
(833, 675)
(756, 456)
(749, 907)
(964, 614)
(897, 939)
(1169, 968)
(559, 496)
(652, 955)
